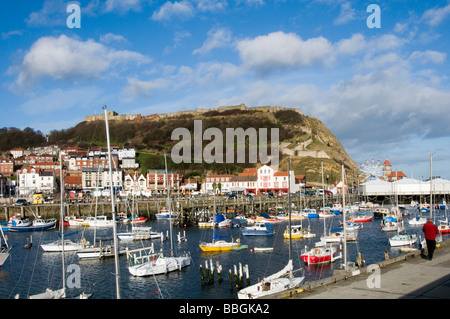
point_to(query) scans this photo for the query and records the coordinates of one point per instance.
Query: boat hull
(218, 246)
(160, 265)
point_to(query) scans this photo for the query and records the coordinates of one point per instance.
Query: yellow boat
(220, 245)
(297, 232)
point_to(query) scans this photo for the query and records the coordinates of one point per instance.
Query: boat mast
(323, 200)
(168, 205)
(289, 203)
(431, 185)
(343, 215)
(61, 186)
(116, 248)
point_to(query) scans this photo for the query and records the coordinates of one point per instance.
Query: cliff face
(304, 139)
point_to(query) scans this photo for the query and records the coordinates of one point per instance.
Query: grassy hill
(305, 139)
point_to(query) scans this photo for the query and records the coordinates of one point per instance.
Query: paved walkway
(409, 277)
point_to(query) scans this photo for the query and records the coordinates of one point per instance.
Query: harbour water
(31, 271)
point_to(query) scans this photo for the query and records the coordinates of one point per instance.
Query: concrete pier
(408, 276)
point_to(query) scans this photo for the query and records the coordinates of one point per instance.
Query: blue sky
(384, 92)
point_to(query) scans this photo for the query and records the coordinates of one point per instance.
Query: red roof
(281, 174)
(387, 163)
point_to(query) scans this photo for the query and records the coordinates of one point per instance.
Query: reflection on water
(31, 271)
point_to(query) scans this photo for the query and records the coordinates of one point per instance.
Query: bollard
(219, 272)
(247, 274)
(201, 276)
(230, 276)
(207, 272)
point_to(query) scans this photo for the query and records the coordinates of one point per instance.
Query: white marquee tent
(405, 186)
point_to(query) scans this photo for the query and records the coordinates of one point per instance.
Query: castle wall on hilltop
(114, 116)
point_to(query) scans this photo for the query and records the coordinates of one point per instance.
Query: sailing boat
(60, 293)
(218, 244)
(66, 244)
(324, 251)
(154, 264)
(101, 250)
(281, 280)
(139, 232)
(5, 248)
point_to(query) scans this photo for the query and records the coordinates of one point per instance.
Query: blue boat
(36, 225)
(258, 229)
(312, 213)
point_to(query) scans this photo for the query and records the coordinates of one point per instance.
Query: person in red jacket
(430, 231)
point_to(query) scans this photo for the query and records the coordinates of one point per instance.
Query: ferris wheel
(371, 170)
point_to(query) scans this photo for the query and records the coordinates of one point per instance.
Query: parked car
(21, 202)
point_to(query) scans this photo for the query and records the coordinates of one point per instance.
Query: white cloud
(355, 44)
(217, 38)
(53, 13)
(136, 88)
(346, 15)
(64, 58)
(182, 9)
(428, 56)
(211, 5)
(9, 34)
(110, 37)
(58, 100)
(435, 16)
(283, 50)
(124, 6)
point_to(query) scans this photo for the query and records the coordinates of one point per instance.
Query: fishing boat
(270, 219)
(324, 213)
(443, 226)
(362, 218)
(280, 281)
(402, 240)
(336, 209)
(37, 224)
(297, 232)
(260, 228)
(140, 233)
(164, 214)
(16, 223)
(424, 208)
(97, 221)
(206, 223)
(321, 254)
(221, 222)
(311, 213)
(417, 221)
(380, 212)
(336, 236)
(294, 233)
(390, 223)
(73, 221)
(136, 220)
